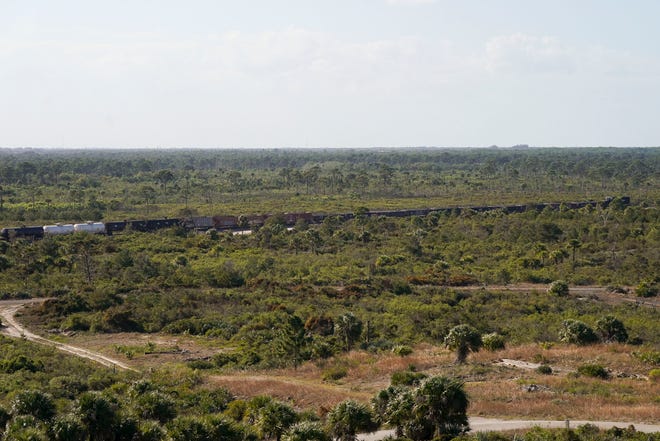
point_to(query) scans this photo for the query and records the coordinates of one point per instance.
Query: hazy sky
(335, 73)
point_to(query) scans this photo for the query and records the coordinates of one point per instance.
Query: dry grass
(616, 357)
(168, 348)
(495, 391)
(562, 398)
(304, 388)
(299, 392)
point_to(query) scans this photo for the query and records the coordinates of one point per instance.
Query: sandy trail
(12, 328)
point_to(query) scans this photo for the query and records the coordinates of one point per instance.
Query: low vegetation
(288, 333)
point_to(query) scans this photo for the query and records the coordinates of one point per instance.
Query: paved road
(13, 328)
(479, 424)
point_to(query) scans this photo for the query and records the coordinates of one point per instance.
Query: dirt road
(479, 424)
(13, 328)
(593, 292)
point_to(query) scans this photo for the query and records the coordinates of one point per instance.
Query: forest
(430, 303)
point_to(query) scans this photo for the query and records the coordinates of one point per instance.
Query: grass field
(495, 390)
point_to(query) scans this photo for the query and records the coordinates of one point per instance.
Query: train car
(225, 222)
(152, 224)
(12, 233)
(256, 220)
(422, 212)
(90, 227)
(199, 223)
(114, 227)
(292, 218)
(320, 217)
(58, 229)
(378, 213)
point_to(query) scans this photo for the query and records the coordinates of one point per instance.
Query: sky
(335, 73)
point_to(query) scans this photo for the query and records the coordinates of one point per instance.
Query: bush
(612, 329)
(577, 332)
(646, 289)
(402, 350)
(306, 431)
(66, 428)
(544, 369)
(615, 289)
(209, 401)
(400, 287)
(559, 288)
(654, 376)
(35, 403)
(20, 363)
(648, 357)
(201, 364)
(76, 322)
(334, 373)
(154, 405)
(322, 349)
(66, 386)
(407, 378)
(222, 359)
(493, 341)
(593, 370)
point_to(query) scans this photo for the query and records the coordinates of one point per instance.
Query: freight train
(247, 222)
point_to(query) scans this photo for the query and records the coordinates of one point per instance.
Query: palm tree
(444, 402)
(348, 418)
(98, 414)
(306, 431)
(274, 419)
(348, 328)
(463, 339)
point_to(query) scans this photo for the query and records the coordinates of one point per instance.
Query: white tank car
(90, 227)
(58, 229)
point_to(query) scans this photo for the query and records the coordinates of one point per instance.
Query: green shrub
(66, 386)
(222, 359)
(544, 369)
(646, 289)
(612, 329)
(38, 404)
(249, 358)
(559, 288)
(407, 378)
(76, 322)
(401, 287)
(306, 431)
(493, 341)
(322, 350)
(154, 405)
(334, 373)
(577, 332)
(20, 363)
(654, 375)
(402, 350)
(593, 370)
(648, 357)
(201, 364)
